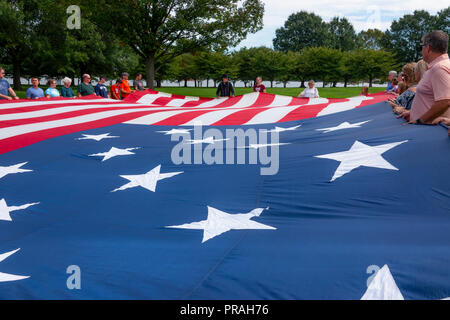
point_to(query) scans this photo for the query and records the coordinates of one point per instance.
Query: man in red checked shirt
(259, 87)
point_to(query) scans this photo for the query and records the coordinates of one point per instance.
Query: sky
(363, 14)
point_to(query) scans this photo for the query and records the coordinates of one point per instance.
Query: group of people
(120, 90)
(422, 89)
(225, 88)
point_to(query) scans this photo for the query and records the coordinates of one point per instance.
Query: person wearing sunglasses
(432, 97)
(85, 88)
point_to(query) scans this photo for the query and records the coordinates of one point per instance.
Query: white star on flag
(209, 140)
(383, 287)
(147, 180)
(97, 137)
(5, 210)
(281, 129)
(219, 222)
(5, 277)
(361, 155)
(343, 125)
(114, 152)
(175, 131)
(13, 169)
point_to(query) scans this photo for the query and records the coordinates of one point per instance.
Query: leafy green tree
(322, 64)
(288, 67)
(443, 20)
(19, 21)
(342, 35)
(404, 37)
(371, 39)
(371, 64)
(301, 30)
(159, 30)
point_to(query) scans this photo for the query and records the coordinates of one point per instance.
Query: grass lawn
(211, 92)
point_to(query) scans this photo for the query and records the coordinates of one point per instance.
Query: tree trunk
(271, 83)
(158, 83)
(185, 83)
(195, 83)
(284, 84)
(345, 83)
(370, 81)
(16, 75)
(207, 83)
(150, 72)
(303, 84)
(334, 84)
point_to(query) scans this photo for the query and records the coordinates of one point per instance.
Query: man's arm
(5, 97)
(13, 94)
(218, 90)
(437, 109)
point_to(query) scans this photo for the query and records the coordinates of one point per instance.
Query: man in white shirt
(310, 92)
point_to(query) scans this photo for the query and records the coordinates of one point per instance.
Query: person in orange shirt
(125, 89)
(115, 90)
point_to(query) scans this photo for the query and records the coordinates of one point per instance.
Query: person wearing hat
(225, 88)
(125, 89)
(100, 89)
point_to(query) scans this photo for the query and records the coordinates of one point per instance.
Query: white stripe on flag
(45, 102)
(343, 106)
(280, 101)
(180, 102)
(212, 103)
(150, 98)
(247, 100)
(211, 117)
(53, 111)
(271, 115)
(33, 127)
(155, 117)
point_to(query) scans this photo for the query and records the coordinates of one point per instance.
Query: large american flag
(25, 122)
(92, 206)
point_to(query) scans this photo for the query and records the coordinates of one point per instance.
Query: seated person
(405, 100)
(310, 92)
(85, 88)
(391, 76)
(259, 87)
(5, 88)
(34, 92)
(66, 90)
(51, 91)
(100, 89)
(365, 91)
(115, 90)
(138, 85)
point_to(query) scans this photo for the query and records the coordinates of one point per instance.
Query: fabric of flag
(359, 208)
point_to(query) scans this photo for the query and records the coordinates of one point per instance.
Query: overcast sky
(363, 14)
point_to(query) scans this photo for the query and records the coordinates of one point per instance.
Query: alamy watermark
(231, 146)
(74, 20)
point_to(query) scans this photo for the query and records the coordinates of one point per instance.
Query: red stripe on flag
(239, 117)
(65, 115)
(23, 140)
(181, 118)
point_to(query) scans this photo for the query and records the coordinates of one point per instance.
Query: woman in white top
(310, 92)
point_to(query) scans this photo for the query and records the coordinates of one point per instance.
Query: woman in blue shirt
(51, 92)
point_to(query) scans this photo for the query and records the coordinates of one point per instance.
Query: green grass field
(211, 92)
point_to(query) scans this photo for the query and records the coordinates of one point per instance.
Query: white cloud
(363, 14)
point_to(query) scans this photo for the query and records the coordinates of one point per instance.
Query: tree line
(191, 39)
